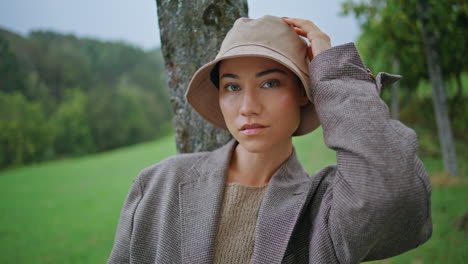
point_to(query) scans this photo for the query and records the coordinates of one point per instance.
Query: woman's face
(260, 100)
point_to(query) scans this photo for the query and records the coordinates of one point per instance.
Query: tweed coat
(373, 204)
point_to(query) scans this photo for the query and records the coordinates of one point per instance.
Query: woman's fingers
(300, 32)
(319, 41)
(305, 25)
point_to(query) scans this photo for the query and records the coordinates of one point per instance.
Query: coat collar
(200, 206)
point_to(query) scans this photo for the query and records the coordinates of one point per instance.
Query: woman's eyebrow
(260, 74)
(229, 75)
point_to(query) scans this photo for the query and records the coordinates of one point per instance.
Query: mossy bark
(191, 34)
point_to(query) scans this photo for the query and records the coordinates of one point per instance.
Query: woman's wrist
(320, 44)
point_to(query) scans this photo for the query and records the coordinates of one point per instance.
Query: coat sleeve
(380, 196)
(121, 250)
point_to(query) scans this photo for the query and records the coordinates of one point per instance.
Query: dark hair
(214, 74)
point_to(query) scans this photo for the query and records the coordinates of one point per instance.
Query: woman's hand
(319, 41)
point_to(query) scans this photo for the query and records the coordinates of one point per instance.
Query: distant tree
(24, 132)
(60, 62)
(396, 30)
(191, 34)
(11, 76)
(122, 116)
(438, 87)
(71, 125)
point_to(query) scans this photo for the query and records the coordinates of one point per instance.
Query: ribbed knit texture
(236, 233)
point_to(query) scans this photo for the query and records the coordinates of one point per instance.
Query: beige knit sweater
(236, 232)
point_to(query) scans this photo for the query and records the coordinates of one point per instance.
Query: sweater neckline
(236, 184)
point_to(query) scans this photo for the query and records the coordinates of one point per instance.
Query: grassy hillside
(66, 211)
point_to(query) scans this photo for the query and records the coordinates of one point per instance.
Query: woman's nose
(251, 104)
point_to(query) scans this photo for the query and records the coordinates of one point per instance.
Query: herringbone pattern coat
(375, 203)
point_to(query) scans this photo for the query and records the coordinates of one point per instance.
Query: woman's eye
(231, 87)
(271, 83)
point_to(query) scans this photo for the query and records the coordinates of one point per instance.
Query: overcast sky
(135, 21)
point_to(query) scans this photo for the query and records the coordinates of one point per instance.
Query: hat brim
(202, 94)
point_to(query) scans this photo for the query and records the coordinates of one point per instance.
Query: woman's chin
(254, 149)
(258, 145)
(254, 145)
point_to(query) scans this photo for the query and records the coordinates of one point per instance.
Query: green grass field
(66, 211)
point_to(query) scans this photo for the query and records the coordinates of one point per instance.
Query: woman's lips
(252, 129)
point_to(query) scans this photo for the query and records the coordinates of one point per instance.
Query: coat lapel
(282, 204)
(200, 205)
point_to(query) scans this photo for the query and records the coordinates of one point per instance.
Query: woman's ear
(303, 100)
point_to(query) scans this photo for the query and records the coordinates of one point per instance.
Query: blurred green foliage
(72, 132)
(24, 132)
(63, 96)
(392, 32)
(391, 41)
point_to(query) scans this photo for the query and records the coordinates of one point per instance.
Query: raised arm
(379, 203)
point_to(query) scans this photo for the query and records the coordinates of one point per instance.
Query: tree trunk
(191, 35)
(438, 90)
(395, 108)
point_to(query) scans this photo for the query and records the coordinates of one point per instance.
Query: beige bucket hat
(268, 37)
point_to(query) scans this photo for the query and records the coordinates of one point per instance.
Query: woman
(250, 201)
